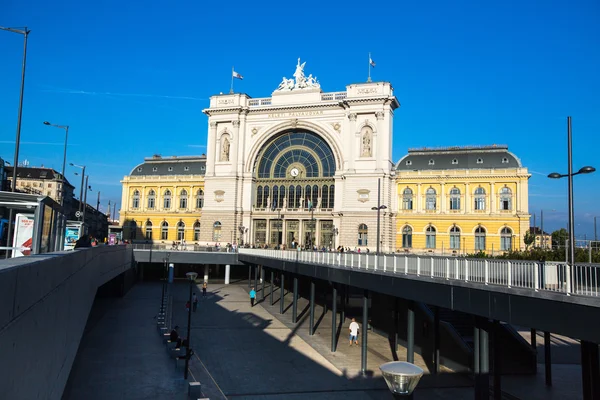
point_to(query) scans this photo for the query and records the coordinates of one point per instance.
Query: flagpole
(369, 66)
(231, 90)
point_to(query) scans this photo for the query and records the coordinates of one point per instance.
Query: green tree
(559, 237)
(528, 239)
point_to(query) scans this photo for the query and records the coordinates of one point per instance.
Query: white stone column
(492, 198)
(227, 273)
(419, 199)
(205, 272)
(350, 151)
(380, 150)
(211, 151)
(443, 198)
(467, 199)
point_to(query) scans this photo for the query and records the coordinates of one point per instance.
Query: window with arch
(217, 231)
(480, 199)
(151, 199)
(325, 196)
(180, 230)
(281, 196)
(164, 230)
(259, 196)
(298, 196)
(265, 198)
(200, 198)
(430, 199)
(148, 230)
(275, 203)
(407, 199)
(506, 239)
(167, 199)
(132, 230)
(331, 195)
(135, 199)
(430, 237)
(455, 238)
(480, 239)
(183, 198)
(315, 196)
(505, 199)
(407, 237)
(455, 199)
(196, 231)
(292, 197)
(363, 235)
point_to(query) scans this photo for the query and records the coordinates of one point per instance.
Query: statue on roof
(301, 81)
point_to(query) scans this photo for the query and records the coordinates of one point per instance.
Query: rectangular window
(430, 241)
(479, 243)
(455, 242)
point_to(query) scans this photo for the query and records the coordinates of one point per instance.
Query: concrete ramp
(45, 301)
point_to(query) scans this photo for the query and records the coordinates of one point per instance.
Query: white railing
(333, 96)
(259, 102)
(583, 279)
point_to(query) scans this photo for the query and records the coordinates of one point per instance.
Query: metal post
(295, 301)
(281, 294)
(533, 339)
(542, 228)
(333, 319)
(476, 360)
(396, 322)
(189, 329)
(590, 370)
(595, 231)
(311, 325)
(85, 197)
(484, 360)
(343, 304)
(378, 212)
(410, 334)
(436, 340)
(571, 212)
(98, 202)
(62, 197)
(256, 277)
(497, 362)
(548, 358)
(262, 288)
(249, 275)
(80, 209)
(365, 325)
(272, 286)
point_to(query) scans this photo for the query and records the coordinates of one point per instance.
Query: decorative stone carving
(225, 149)
(379, 115)
(254, 131)
(236, 123)
(366, 139)
(294, 123)
(363, 195)
(301, 81)
(352, 117)
(336, 126)
(213, 125)
(219, 195)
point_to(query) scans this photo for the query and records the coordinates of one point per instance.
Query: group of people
(194, 303)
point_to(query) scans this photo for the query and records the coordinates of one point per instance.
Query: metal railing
(582, 279)
(182, 248)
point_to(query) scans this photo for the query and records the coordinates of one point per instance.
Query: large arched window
(148, 230)
(196, 231)
(164, 230)
(151, 200)
(480, 239)
(183, 198)
(363, 235)
(167, 199)
(180, 230)
(407, 199)
(480, 199)
(455, 238)
(407, 237)
(454, 199)
(199, 198)
(135, 199)
(430, 199)
(430, 237)
(217, 231)
(506, 239)
(505, 199)
(259, 196)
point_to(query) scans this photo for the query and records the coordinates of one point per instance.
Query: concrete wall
(45, 301)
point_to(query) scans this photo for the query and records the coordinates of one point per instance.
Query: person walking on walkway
(194, 302)
(252, 297)
(204, 287)
(353, 332)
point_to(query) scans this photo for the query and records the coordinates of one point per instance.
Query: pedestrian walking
(252, 296)
(194, 302)
(187, 306)
(353, 332)
(204, 287)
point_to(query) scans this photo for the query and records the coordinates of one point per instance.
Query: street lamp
(82, 167)
(66, 128)
(164, 285)
(402, 378)
(570, 175)
(192, 278)
(279, 224)
(25, 33)
(378, 208)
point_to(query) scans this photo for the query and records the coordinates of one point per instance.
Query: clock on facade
(294, 172)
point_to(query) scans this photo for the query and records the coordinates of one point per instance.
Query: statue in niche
(225, 150)
(366, 143)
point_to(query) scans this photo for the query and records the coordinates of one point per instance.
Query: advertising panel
(71, 236)
(23, 235)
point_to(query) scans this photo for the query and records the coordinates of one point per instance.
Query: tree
(559, 237)
(528, 239)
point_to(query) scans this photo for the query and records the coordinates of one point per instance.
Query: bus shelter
(36, 224)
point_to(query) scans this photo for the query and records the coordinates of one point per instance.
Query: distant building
(542, 239)
(3, 181)
(44, 181)
(461, 200)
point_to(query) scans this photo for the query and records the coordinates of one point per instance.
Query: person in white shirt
(353, 332)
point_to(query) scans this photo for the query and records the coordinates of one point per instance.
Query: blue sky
(131, 78)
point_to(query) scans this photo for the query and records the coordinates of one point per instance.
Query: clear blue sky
(131, 78)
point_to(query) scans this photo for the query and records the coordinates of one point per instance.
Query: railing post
(432, 266)
(358, 266)
(405, 265)
(486, 264)
(447, 269)
(536, 276)
(456, 268)
(395, 258)
(352, 260)
(418, 265)
(384, 263)
(509, 274)
(345, 259)
(569, 283)
(466, 270)
(376, 263)
(367, 262)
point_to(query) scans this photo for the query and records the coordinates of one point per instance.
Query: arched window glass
(455, 238)
(275, 202)
(407, 237)
(307, 202)
(151, 199)
(180, 230)
(315, 196)
(167, 199)
(505, 199)
(430, 199)
(480, 239)
(292, 197)
(164, 230)
(331, 196)
(217, 231)
(325, 196)
(183, 198)
(266, 193)
(480, 198)
(196, 231)
(148, 232)
(407, 199)
(259, 196)
(135, 200)
(298, 196)
(200, 198)
(281, 196)
(363, 235)
(454, 199)
(430, 237)
(506, 239)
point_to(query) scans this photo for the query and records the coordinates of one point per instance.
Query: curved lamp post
(402, 378)
(192, 278)
(66, 128)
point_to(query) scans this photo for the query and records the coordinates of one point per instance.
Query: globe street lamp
(570, 175)
(402, 378)
(192, 278)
